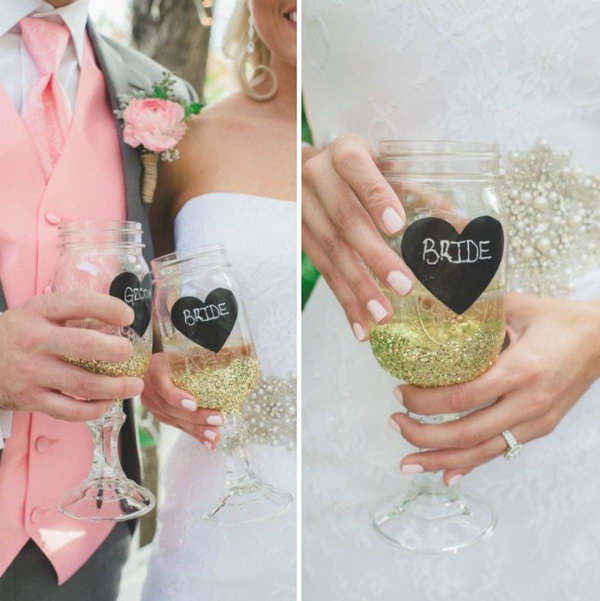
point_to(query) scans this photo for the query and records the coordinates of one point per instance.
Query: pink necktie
(47, 110)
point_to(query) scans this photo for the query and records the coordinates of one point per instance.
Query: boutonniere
(156, 122)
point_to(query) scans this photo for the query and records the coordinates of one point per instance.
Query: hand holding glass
(209, 348)
(107, 257)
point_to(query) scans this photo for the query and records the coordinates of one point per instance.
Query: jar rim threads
(101, 233)
(447, 159)
(189, 259)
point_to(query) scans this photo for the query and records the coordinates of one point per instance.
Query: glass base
(249, 501)
(115, 499)
(433, 521)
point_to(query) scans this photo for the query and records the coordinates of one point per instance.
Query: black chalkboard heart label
(455, 268)
(138, 295)
(207, 323)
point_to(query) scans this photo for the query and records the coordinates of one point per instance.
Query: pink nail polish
(377, 310)
(210, 435)
(454, 479)
(392, 221)
(207, 445)
(189, 405)
(399, 396)
(394, 425)
(214, 420)
(412, 468)
(359, 332)
(399, 282)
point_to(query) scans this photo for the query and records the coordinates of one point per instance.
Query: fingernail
(412, 468)
(359, 332)
(394, 425)
(210, 434)
(189, 405)
(214, 420)
(399, 396)
(454, 479)
(392, 221)
(377, 310)
(401, 283)
(207, 445)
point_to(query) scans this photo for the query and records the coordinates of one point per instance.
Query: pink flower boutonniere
(156, 122)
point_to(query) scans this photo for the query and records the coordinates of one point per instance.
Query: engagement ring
(514, 447)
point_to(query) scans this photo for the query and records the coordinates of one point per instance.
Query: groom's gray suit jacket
(126, 71)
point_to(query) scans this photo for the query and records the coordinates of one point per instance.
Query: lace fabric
(191, 559)
(472, 69)
(512, 73)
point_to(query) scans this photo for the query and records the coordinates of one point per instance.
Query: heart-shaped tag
(207, 323)
(138, 295)
(455, 268)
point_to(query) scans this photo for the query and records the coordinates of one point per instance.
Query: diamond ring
(514, 447)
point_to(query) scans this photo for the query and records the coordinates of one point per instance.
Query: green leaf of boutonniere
(193, 108)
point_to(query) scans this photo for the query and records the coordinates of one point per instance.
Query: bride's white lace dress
(191, 560)
(510, 72)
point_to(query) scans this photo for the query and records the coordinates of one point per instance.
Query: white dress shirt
(18, 72)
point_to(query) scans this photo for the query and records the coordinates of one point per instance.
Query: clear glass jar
(213, 336)
(107, 257)
(208, 344)
(450, 328)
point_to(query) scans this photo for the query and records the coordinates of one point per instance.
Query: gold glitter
(436, 347)
(224, 388)
(220, 380)
(135, 366)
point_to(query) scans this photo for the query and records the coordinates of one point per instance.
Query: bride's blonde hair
(251, 69)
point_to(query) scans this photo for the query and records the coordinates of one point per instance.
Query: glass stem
(432, 483)
(105, 437)
(238, 475)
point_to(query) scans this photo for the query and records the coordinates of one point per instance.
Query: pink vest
(44, 457)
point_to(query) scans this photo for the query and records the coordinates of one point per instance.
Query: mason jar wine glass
(207, 341)
(450, 328)
(107, 257)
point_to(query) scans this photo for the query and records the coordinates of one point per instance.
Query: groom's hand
(173, 406)
(34, 342)
(553, 358)
(346, 203)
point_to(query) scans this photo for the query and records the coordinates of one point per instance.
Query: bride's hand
(173, 406)
(553, 358)
(345, 202)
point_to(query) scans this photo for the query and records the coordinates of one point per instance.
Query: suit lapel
(3, 306)
(121, 80)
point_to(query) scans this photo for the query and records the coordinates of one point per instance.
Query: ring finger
(469, 431)
(459, 459)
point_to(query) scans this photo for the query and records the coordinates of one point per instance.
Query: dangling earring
(260, 73)
(251, 47)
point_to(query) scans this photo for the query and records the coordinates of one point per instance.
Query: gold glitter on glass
(428, 345)
(135, 366)
(220, 380)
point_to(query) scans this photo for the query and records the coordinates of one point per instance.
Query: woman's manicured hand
(173, 406)
(346, 204)
(552, 359)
